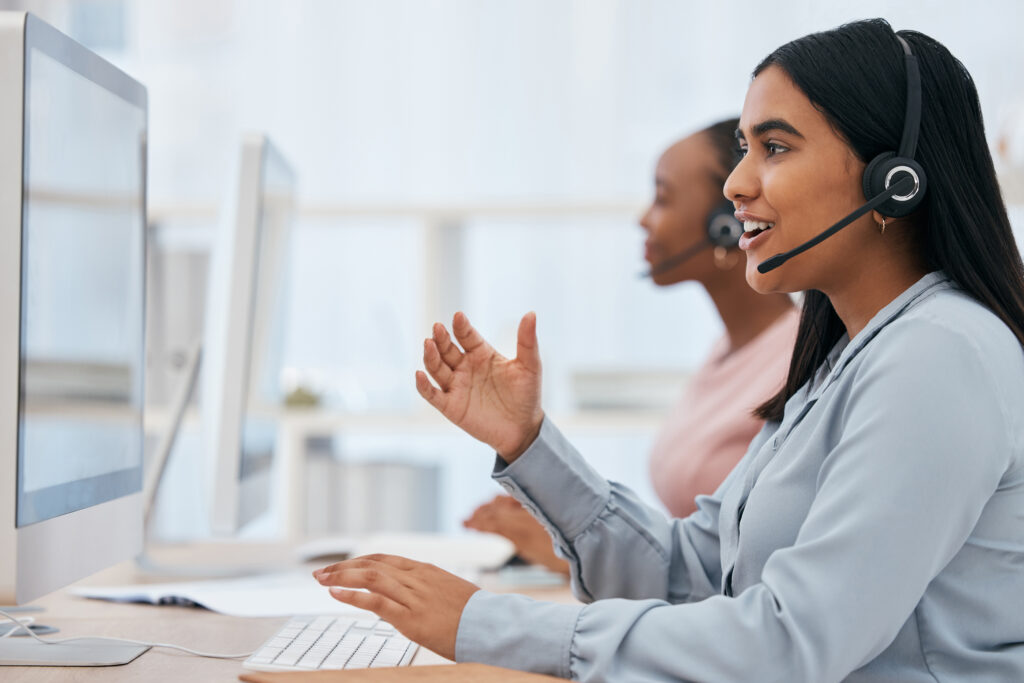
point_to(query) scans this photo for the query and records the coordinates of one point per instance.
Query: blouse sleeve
(616, 545)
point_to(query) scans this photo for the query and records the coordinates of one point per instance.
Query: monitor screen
(82, 264)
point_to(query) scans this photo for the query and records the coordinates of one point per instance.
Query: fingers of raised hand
(436, 366)
(428, 391)
(465, 333)
(449, 352)
(526, 341)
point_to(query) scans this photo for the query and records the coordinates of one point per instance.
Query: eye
(774, 148)
(741, 151)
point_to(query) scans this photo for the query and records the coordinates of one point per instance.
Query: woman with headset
(874, 530)
(692, 236)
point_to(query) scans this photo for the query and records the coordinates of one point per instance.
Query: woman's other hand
(422, 601)
(492, 398)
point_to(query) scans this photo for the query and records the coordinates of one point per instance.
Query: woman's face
(798, 177)
(685, 192)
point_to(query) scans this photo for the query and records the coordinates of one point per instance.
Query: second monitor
(244, 338)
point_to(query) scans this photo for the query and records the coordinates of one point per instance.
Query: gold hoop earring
(882, 230)
(722, 260)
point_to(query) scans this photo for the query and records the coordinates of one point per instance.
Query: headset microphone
(894, 182)
(723, 232)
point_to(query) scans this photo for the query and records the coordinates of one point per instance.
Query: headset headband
(912, 120)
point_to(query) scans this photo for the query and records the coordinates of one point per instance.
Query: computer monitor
(245, 325)
(72, 298)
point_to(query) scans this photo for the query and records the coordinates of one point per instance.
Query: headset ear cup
(870, 181)
(723, 228)
(875, 174)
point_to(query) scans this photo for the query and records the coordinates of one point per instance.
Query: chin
(766, 283)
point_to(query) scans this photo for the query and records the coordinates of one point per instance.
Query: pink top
(710, 427)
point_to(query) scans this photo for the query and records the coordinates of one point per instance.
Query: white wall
(460, 101)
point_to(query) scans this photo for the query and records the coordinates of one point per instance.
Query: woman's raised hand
(492, 398)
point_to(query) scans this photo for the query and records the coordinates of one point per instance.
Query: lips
(754, 234)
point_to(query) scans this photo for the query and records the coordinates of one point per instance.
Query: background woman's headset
(722, 231)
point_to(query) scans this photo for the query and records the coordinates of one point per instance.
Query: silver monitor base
(84, 652)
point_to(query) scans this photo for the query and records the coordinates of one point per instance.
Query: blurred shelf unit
(443, 227)
(312, 478)
(304, 422)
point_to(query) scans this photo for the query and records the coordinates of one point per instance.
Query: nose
(743, 183)
(645, 219)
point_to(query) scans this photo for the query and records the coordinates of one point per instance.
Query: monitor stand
(79, 652)
(155, 473)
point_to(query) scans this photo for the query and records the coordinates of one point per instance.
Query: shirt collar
(846, 349)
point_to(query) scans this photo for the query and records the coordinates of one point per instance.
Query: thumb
(526, 345)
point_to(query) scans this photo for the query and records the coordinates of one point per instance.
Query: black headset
(723, 231)
(894, 184)
(882, 171)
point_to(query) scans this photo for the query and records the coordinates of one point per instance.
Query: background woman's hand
(422, 601)
(490, 397)
(506, 517)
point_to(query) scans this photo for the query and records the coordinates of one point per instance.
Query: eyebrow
(771, 124)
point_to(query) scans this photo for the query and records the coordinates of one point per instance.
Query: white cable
(24, 621)
(57, 641)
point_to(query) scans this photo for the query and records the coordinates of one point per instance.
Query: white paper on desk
(266, 595)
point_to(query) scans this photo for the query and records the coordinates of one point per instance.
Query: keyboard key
(312, 661)
(287, 659)
(388, 658)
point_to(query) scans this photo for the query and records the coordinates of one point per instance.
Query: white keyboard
(306, 643)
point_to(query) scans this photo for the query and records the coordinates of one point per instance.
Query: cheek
(788, 189)
(815, 195)
(673, 226)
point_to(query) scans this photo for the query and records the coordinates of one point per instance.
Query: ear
(877, 217)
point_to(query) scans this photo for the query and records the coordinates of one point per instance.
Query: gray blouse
(875, 534)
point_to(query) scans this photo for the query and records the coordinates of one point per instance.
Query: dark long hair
(855, 75)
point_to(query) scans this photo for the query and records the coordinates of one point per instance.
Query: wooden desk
(191, 627)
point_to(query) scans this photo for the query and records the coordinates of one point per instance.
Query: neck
(744, 312)
(871, 291)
